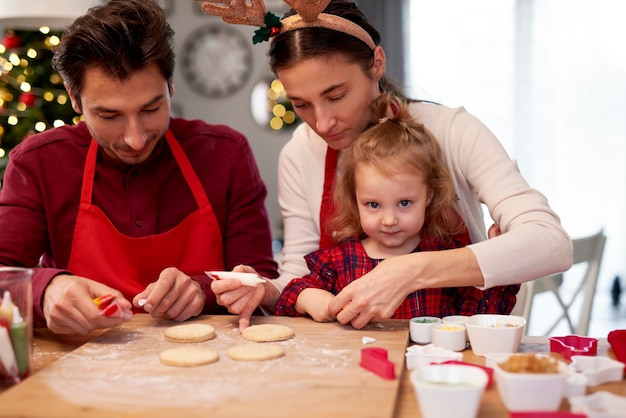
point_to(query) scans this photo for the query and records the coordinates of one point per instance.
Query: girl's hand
(315, 303)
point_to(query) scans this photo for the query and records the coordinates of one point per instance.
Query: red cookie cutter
(617, 340)
(375, 360)
(571, 345)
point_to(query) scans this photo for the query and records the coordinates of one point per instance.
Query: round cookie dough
(189, 333)
(188, 356)
(267, 333)
(255, 352)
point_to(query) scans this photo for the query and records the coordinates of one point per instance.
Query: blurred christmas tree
(32, 97)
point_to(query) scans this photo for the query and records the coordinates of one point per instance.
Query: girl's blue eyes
(402, 203)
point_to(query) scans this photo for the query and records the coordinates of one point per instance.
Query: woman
(332, 68)
(393, 196)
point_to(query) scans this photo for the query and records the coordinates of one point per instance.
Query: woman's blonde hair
(395, 143)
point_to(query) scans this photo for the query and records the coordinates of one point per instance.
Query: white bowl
(493, 333)
(449, 336)
(523, 391)
(419, 328)
(449, 390)
(456, 319)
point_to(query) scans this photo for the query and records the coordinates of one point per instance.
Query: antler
(237, 11)
(308, 9)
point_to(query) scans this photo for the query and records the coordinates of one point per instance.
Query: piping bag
(110, 307)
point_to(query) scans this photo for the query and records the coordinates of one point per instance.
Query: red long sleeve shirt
(41, 191)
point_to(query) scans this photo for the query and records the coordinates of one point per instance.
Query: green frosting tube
(19, 339)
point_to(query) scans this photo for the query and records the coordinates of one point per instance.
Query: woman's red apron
(100, 252)
(327, 207)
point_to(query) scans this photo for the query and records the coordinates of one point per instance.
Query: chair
(589, 251)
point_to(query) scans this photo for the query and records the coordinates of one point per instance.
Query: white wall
(234, 110)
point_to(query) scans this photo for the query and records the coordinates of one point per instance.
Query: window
(549, 79)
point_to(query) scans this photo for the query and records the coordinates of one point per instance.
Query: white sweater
(533, 243)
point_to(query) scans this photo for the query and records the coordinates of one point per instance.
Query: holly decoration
(32, 96)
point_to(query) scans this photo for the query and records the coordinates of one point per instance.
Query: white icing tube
(246, 279)
(7, 356)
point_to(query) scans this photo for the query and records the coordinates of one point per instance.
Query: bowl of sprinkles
(493, 333)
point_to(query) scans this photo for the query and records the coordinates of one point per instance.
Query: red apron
(327, 207)
(100, 252)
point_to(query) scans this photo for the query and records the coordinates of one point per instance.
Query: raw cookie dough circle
(255, 352)
(189, 333)
(188, 356)
(267, 333)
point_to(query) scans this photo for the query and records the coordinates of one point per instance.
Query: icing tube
(6, 307)
(19, 338)
(6, 354)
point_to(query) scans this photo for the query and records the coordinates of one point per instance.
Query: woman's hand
(243, 300)
(494, 231)
(376, 295)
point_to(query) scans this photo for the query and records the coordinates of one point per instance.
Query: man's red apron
(100, 252)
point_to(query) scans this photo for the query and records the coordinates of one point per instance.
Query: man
(129, 202)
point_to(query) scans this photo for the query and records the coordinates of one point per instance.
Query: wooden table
(48, 348)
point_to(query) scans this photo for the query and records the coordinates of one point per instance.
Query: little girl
(393, 195)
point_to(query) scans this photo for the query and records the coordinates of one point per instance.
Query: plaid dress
(335, 267)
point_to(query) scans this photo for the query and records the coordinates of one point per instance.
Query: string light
(32, 96)
(279, 106)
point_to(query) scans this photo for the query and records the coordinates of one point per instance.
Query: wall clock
(216, 60)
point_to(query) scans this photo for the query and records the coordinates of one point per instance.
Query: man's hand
(173, 296)
(69, 308)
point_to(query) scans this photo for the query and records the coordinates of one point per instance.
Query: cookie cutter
(375, 360)
(571, 345)
(423, 355)
(598, 370)
(599, 404)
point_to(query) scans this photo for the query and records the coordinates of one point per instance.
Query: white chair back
(587, 250)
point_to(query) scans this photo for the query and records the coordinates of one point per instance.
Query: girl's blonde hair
(396, 143)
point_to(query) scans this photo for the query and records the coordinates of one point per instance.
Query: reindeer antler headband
(309, 14)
